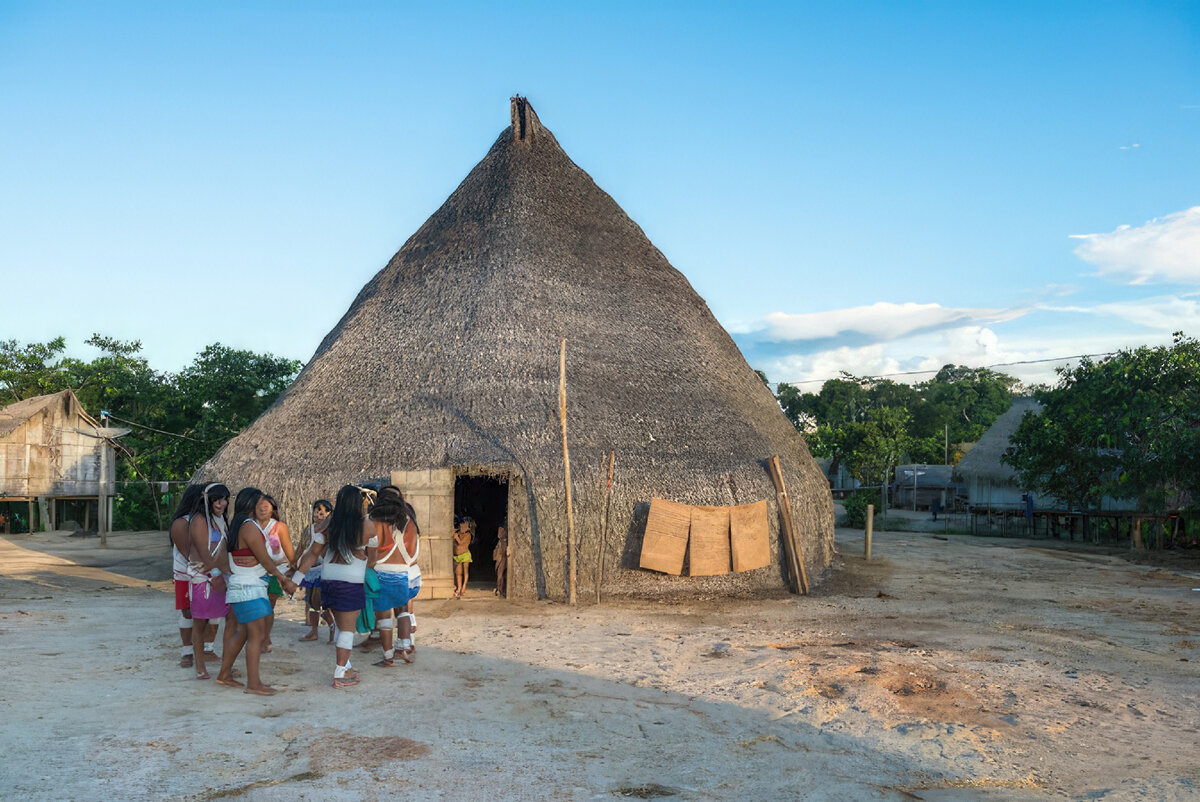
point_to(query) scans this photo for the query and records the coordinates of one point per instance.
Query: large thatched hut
(443, 377)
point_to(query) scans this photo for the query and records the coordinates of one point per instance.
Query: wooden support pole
(795, 558)
(1136, 532)
(867, 536)
(562, 413)
(612, 458)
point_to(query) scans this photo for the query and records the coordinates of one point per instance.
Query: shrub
(856, 507)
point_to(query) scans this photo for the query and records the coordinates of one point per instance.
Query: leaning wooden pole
(792, 546)
(612, 458)
(562, 414)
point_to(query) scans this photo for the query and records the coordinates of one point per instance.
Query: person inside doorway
(500, 557)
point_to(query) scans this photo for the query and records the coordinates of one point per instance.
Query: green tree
(1127, 426)
(176, 420)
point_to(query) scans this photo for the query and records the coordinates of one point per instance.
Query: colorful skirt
(183, 594)
(208, 602)
(273, 586)
(465, 557)
(252, 610)
(394, 591)
(342, 597)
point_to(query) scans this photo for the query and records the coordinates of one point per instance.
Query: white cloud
(880, 321)
(1164, 249)
(1165, 313)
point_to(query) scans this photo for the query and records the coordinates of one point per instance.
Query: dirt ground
(947, 667)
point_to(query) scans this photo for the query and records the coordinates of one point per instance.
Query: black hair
(243, 510)
(184, 508)
(274, 506)
(322, 503)
(187, 501)
(344, 532)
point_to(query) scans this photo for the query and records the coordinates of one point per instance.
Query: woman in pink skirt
(207, 563)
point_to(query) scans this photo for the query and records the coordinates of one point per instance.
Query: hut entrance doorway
(484, 498)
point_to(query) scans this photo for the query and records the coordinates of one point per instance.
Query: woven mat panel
(709, 545)
(750, 536)
(666, 538)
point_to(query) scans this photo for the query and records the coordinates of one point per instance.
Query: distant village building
(992, 484)
(918, 486)
(52, 453)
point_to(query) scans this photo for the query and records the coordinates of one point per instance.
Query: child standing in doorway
(463, 535)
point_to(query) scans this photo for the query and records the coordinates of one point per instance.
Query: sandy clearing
(942, 669)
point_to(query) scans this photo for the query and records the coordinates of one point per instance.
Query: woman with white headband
(207, 564)
(348, 542)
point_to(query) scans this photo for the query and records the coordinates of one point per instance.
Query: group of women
(361, 554)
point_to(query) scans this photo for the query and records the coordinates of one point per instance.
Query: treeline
(1125, 427)
(870, 425)
(177, 419)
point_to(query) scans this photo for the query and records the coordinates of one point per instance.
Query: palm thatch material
(982, 462)
(448, 358)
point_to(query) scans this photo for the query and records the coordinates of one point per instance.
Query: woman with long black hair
(250, 563)
(344, 549)
(207, 564)
(181, 547)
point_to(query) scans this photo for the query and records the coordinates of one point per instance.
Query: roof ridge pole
(562, 413)
(525, 122)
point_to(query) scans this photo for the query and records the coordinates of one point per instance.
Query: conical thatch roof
(449, 357)
(983, 461)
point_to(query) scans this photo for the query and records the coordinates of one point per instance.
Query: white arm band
(319, 537)
(373, 542)
(298, 577)
(214, 573)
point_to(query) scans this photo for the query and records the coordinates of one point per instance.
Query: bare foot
(310, 636)
(202, 674)
(344, 682)
(185, 661)
(230, 682)
(267, 648)
(265, 690)
(385, 663)
(403, 655)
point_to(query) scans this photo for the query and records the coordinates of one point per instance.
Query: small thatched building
(992, 484)
(55, 457)
(443, 377)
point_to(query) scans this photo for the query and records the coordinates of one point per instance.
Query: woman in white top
(398, 545)
(279, 547)
(344, 549)
(250, 563)
(181, 547)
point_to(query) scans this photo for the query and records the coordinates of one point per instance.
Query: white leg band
(385, 624)
(339, 671)
(345, 640)
(388, 654)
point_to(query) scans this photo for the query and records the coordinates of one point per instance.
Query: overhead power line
(935, 370)
(152, 429)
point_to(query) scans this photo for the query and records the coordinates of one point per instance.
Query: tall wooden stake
(792, 547)
(562, 413)
(612, 458)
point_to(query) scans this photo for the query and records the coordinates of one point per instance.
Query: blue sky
(869, 187)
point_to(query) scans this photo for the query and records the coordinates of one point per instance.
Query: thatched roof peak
(525, 123)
